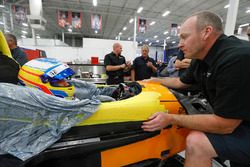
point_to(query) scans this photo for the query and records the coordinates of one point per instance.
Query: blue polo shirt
(19, 56)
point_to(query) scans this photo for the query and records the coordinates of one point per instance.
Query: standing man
(248, 32)
(221, 64)
(116, 65)
(143, 66)
(16, 52)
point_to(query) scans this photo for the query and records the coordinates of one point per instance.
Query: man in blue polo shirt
(16, 52)
(143, 66)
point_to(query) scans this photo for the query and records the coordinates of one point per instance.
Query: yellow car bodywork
(154, 98)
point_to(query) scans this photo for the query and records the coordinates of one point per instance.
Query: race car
(112, 136)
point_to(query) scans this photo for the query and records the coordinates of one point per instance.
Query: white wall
(243, 37)
(91, 47)
(40, 42)
(101, 47)
(242, 33)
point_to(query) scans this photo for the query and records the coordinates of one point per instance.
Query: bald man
(220, 64)
(115, 65)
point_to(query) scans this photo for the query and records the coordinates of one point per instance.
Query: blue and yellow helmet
(48, 75)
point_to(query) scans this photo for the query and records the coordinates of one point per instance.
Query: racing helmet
(48, 75)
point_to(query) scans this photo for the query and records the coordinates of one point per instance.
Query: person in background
(16, 52)
(171, 69)
(181, 63)
(220, 63)
(116, 65)
(76, 20)
(143, 66)
(248, 32)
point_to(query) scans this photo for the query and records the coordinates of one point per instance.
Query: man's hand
(127, 66)
(157, 121)
(122, 66)
(150, 64)
(185, 63)
(186, 60)
(128, 63)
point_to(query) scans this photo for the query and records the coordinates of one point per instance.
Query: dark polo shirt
(224, 76)
(142, 71)
(114, 77)
(19, 55)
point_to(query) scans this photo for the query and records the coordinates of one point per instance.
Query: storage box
(94, 60)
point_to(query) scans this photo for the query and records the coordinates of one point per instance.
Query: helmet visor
(60, 83)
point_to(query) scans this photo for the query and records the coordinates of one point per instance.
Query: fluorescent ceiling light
(226, 6)
(128, 38)
(166, 13)
(173, 42)
(38, 37)
(25, 24)
(2, 6)
(120, 33)
(6, 31)
(124, 28)
(116, 37)
(157, 41)
(94, 2)
(152, 23)
(1, 22)
(131, 20)
(96, 31)
(244, 25)
(139, 9)
(140, 42)
(248, 11)
(69, 30)
(146, 40)
(23, 36)
(168, 37)
(155, 36)
(25, 32)
(150, 44)
(166, 32)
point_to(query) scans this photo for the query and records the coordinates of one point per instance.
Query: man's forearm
(113, 68)
(132, 75)
(173, 82)
(207, 123)
(154, 69)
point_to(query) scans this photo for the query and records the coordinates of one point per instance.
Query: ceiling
(117, 13)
